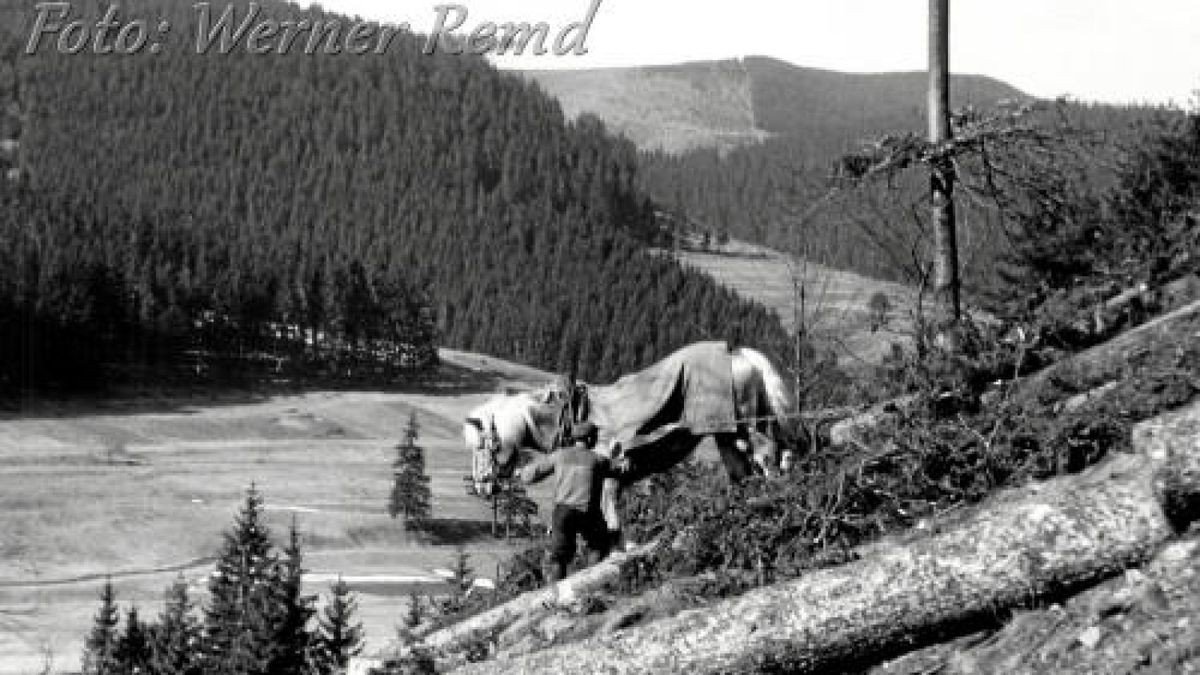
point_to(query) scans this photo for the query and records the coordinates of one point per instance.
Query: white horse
(498, 431)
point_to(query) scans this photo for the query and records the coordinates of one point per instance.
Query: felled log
(1107, 361)
(543, 600)
(1178, 292)
(1023, 545)
(852, 428)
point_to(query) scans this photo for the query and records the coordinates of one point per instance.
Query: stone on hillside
(1090, 638)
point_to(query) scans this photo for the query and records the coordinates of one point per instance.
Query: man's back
(578, 472)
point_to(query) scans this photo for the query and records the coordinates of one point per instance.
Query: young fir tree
(176, 639)
(100, 646)
(291, 610)
(516, 506)
(410, 488)
(133, 647)
(339, 637)
(239, 625)
(461, 580)
(416, 609)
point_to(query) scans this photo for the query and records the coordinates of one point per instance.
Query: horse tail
(778, 395)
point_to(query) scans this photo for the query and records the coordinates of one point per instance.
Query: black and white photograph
(406, 337)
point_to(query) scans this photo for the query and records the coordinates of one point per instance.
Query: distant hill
(671, 108)
(721, 104)
(831, 112)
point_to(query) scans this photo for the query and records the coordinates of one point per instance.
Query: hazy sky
(1109, 50)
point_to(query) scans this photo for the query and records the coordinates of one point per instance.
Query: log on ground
(541, 601)
(1026, 545)
(1107, 361)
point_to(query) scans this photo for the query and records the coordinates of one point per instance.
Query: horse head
(497, 432)
(485, 444)
(763, 452)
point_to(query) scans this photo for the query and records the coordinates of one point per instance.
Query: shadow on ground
(451, 531)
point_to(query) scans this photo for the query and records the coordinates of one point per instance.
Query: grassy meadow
(141, 490)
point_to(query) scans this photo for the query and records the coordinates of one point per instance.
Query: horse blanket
(692, 389)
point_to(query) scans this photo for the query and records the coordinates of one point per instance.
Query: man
(578, 475)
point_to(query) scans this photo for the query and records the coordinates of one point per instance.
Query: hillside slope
(967, 570)
(829, 112)
(669, 108)
(350, 195)
(721, 104)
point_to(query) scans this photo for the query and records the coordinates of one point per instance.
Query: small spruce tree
(416, 609)
(461, 580)
(515, 507)
(176, 639)
(100, 646)
(411, 495)
(339, 637)
(291, 610)
(238, 626)
(133, 647)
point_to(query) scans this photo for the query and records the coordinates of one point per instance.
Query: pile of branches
(945, 453)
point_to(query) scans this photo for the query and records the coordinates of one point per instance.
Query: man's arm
(538, 469)
(613, 467)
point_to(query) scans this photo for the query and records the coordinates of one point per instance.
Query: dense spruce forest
(336, 212)
(762, 192)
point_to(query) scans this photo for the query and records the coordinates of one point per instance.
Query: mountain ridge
(730, 102)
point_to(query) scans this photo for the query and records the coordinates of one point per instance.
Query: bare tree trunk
(946, 279)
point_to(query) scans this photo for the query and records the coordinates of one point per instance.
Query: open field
(141, 490)
(836, 301)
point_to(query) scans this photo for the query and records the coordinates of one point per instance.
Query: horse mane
(778, 394)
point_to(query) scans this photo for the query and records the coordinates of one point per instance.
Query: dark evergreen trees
(515, 507)
(462, 578)
(758, 192)
(326, 216)
(293, 646)
(175, 645)
(133, 654)
(241, 614)
(100, 648)
(411, 495)
(339, 636)
(257, 621)
(416, 609)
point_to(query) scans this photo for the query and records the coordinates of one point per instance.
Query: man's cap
(583, 430)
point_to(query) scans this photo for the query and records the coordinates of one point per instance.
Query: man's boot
(555, 570)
